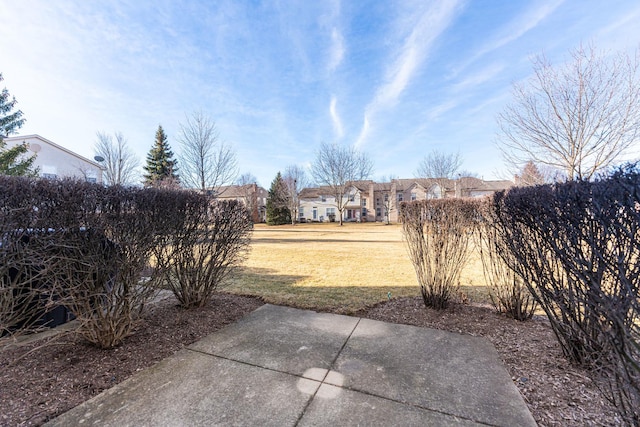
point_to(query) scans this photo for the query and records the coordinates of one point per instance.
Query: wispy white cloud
(481, 76)
(516, 28)
(335, 118)
(337, 49)
(413, 51)
(436, 112)
(623, 31)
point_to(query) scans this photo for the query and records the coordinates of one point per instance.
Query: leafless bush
(437, 233)
(24, 267)
(507, 290)
(100, 261)
(79, 245)
(577, 245)
(208, 239)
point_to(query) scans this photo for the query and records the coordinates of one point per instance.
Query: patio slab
(288, 367)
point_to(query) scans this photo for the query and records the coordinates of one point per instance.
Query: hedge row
(87, 247)
(571, 248)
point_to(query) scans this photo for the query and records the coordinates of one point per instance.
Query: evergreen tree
(277, 211)
(161, 168)
(12, 160)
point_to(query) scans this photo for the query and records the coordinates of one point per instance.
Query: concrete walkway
(281, 366)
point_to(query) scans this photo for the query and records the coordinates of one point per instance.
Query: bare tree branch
(207, 162)
(119, 161)
(439, 166)
(295, 180)
(579, 118)
(338, 167)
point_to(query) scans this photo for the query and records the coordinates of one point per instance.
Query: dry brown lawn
(344, 269)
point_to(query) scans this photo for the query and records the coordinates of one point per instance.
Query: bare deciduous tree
(389, 201)
(338, 167)
(440, 167)
(437, 164)
(295, 180)
(120, 162)
(207, 162)
(246, 178)
(579, 118)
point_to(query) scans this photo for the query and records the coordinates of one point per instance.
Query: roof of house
(237, 191)
(495, 185)
(317, 192)
(51, 143)
(310, 193)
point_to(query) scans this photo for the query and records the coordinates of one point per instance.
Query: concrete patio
(281, 366)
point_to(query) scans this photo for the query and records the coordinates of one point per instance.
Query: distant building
(55, 161)
(375, 201)
(319, 205)
(253, 196)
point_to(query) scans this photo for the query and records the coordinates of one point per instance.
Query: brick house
(252, 195)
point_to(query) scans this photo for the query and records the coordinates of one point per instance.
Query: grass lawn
(325, 266)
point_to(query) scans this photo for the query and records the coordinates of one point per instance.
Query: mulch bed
(44, 379)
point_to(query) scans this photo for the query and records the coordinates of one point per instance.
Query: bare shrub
(100, 264)
(508, 293)
(207, 240)
(25, 291)
(438, 233)
(577, 245)
(79, 245)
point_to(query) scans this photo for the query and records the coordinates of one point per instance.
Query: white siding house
(319, 205)
(55, 161)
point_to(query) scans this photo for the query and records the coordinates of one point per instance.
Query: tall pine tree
(12, 160)
(161, 168)
(277, 211)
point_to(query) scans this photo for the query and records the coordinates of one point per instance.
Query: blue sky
(396, 78)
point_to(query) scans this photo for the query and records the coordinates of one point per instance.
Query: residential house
(55, 161)
(253, 196)
(379, 201)
(319, 204)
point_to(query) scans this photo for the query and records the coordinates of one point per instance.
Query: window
(386, 197)
(323, 198)
(49, 172)
(364, 202)
(414, 196)
(364, 212)
(301, 212)
(315, 213)
(91, 176)
(377, 201)
(331, 211)
(400, 197)
(378, 212)
(352, 197)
